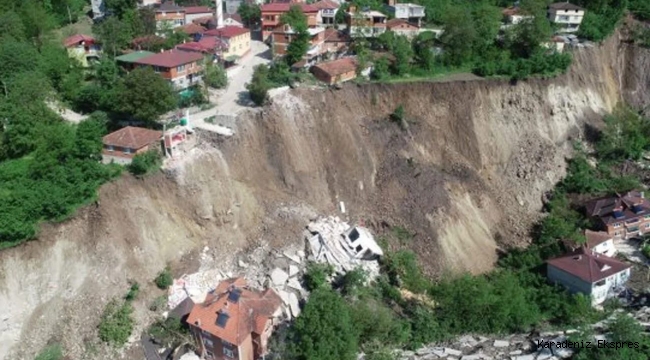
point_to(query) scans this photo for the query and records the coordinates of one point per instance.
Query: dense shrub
(260, 85)
(145, 163)
(133, 292)
(316, 276)
(116, 323)
(215, 76)
(164, 279)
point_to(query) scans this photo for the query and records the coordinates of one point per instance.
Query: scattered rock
(293, 304)
(294, 284)
(500, 343)
(453, 352)
(279, 277)
(292, 257)
(242, 264)
(293, 270)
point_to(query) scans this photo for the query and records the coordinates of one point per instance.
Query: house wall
(232, 22)
(271, 19)
(574, 284)
(122, 156)
(245, 350)
(407, 30)
(606, 248)
(191, 17)
(326, 16)
(239, 45)
(212, 348)
(149, 2)
(169, 19)
(181, 76)
(629, 228)
(570, 20)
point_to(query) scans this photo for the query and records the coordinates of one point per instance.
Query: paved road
(235, 97)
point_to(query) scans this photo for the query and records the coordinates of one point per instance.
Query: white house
(514, 15)
(412, 13)
(197, 12)
(600, 242)
(590, 273)
(327, 10)
(566, 15)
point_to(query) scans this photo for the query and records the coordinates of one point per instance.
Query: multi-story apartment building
(271, 14)
(367, 23)
(182, 68)
(169, 16)
(235, 321)
(566, 15)
(622, 216)
(412, 13)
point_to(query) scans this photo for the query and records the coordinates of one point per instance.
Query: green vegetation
(170, 332)
(300, 38)
(145, 95)
(51, 352)
(116, 323)
(215, 76)
(623, 329)
(316, 276)
(164, 279)
(133, 292)
(159, 303)
(145, 163)
(250, 14)
(260, 85)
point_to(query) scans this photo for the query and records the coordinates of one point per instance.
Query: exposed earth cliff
(467, 176)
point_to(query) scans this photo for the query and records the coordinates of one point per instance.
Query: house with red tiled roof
(197, 12)
(235, 321)
(336, 71)
(208, 45)
(327, 10)
(122, 145)
(182, 68)
(237, 38)
(192, 29)
(271, 14)
(590, 273)
(403, 27)
(515, 15)
(336, 41)
(168, 15)
(621, 216)
(84, 48)
(233, 20)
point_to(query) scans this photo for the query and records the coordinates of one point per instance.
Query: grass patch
(116, 323)
(51, 352)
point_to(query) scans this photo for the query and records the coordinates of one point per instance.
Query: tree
(403, 53)
(324, 330)
(11, 26)
(164, 279)
(37, 21)
(300, 38)
(215, 76)
(458, 37)
(380, 69)
(17, 57)
(526, 37)
(487, 20)
(423, 50)
(146, 95)
(120, 7)
(88, 138)
(251, 14)
(259, 86)
(113, 34)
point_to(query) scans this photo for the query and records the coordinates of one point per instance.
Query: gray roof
(564, 6)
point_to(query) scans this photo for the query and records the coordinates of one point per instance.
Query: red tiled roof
(169, 6)
(171, 58)
(76, 39)
(132, 137)
(333, 35)
(250, 313)
(338, 67)
(227, 32)
(326, 4)
(192, 29)
(595, 238)
(197, 9)
(603, 208)
(203, 20)
(207, 44)
(398, 22)
(284, 7)
(588, 266)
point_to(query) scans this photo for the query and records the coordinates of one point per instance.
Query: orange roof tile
(249, 314)
(338, 67)
(132, 137)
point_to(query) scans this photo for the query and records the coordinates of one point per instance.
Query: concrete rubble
(333, 241)
(518, 346)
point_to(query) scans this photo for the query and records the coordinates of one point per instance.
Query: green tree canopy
(251, 14)
(300, 38)
(146, 95)
(324, 330)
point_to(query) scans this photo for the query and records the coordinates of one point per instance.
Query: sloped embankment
(467, 176)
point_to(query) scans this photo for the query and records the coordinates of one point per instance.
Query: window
(617, 225)
(127, 150)
(205, 333)
(109, 147)
(617, 233)
(647, 226)
(208, 342)
(228, 353)
(647, 217)
(563, 18)
(600, 283)
(226, 344)
(209, 355)
(180, 68)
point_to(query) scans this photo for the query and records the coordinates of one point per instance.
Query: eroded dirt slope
(466, 177)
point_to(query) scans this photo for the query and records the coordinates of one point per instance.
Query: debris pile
(345, 247)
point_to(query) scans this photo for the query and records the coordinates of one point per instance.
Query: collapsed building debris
(342, 246)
